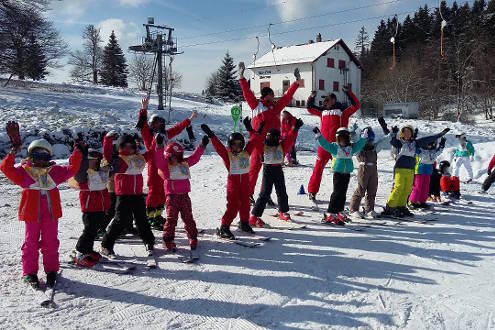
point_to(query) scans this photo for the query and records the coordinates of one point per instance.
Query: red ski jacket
(333, 119)
(128, 169)
(267, 112)
(288, 122)
(26, 177)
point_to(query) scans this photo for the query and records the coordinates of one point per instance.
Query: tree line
(455, 72)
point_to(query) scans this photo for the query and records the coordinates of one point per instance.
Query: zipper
(87, 201)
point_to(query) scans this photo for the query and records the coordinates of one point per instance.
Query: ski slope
(437, 275)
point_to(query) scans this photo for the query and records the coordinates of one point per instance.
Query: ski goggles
(94, 155)
(40, 156)
(237, 144)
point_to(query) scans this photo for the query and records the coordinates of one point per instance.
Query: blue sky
(194, 20)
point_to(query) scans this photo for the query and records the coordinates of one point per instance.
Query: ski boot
(32, 280)
(109, 253)
(332, 218)
(356, 215)
(342, 217)
(84, 260)
(405, 211)
(193, 243)
(284, 216)
(95, 256)
(51, 279)
(371, 215)
(255, 221)
(387, 210)
(312, 197)
(170, 246)
(225, 232)
(245, 227)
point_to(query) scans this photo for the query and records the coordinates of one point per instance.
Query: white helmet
(40, 143)
(155, 117)
(460, 135)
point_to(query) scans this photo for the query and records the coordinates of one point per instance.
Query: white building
(401, 110)
(325, 66)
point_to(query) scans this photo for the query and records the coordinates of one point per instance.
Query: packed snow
(437, 275)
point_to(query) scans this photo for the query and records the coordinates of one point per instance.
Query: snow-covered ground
(409, 275)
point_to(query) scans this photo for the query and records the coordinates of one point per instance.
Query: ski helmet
(94, 154)
(343, 133)
(444, 166)
(155, 118)
(272, 138)
(236, 136)
(41, 144)
(125, 139)
(461, 136)
(174, 150)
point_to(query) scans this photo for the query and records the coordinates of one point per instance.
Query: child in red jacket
(91, 180)
(273, 175)
(127, 167)
(40, 206)
(491, 176)
(236, 160)
(174, 170)
(288, 122)
(155, 200)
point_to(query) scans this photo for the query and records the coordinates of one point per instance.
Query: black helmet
(266, 91)
(236, 136)
(126, 138)
(444, 164)
(272, 138)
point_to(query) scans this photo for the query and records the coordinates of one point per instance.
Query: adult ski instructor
(332, 118)
(267, 110)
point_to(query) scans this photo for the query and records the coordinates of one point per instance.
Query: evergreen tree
(114, 69)
(227, 87)
(362, 42)
(36, 62)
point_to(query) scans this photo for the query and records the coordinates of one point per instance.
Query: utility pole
(158, 41)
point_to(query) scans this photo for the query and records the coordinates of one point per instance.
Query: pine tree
(227, 86)
(114, 69)
(35, 60)
(362, 42)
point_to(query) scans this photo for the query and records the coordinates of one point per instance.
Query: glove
(395, 129)
(112, 134)
(489, 172)
(317, 132)
(298, 124)
(204, 141)
(241, 68)
(12, 129)
(159, 138)
(297, 74)
(247, 124)
(207, 130)
(445, 131)
(260, 128)
(442, 142)
(383, 124)
(346, 89)
(311, 100)
(364, 134)
(142, 116)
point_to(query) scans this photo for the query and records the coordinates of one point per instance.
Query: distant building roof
(306, 53)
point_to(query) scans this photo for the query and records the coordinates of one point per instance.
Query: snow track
(408, 275)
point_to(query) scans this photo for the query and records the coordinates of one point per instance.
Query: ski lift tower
(158, 41)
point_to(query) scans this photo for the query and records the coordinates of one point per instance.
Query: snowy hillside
(437, 275)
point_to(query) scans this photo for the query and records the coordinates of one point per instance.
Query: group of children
(111, 182)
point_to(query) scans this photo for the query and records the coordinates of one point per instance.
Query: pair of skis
(45, 297)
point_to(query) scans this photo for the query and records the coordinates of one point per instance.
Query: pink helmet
(174, 149)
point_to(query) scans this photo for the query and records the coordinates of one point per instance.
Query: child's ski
(38, 293)
(50, 293)
(150, 260)
(290, 226)
(248, 244)
(192, 256)
(346, 226)
(243, 235)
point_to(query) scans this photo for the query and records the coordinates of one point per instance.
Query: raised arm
(423, 142)
(221, 150)
(82, 174)
(355, 105)
(196, 155)
(178, 128)
(287, 97)
(358, 146)
(63, 173)
(492, 163)
(248, 94)
(330, 147)
(14, 174)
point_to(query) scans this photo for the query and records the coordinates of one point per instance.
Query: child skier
(91, 180)
(450, 185)
(273, 174)
(367, 176)
(342, 167)
(434, 190)
(464, 154)
(266, 110)
(155, 200)
(236, 160)
(491, 176)
(424, 170)
(128, 167)
(174, 170)
(288, 122)
(40, 206)
(405, 163)
(332, 118)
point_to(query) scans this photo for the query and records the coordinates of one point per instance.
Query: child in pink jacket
(174, 169)
(40, 206)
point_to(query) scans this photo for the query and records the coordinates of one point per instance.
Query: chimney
(311, 41)
(318, 37)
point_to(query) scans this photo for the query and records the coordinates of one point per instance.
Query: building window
(298, 103)
(303, 103)
(335, 86)
(321, 85)
(330, 63)
(301, 83)
(264, 84)
(341, 64)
